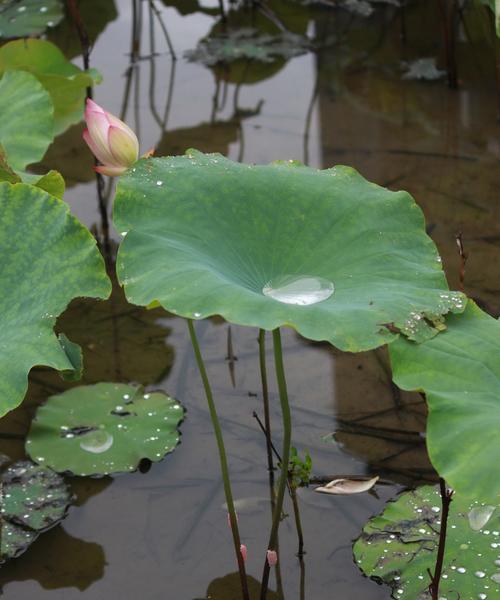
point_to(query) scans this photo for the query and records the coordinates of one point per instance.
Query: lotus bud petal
(272, 558)
(111, 141)
(243, 550)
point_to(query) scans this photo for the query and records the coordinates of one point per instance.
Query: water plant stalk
(223, 459)
(446, 497)
(265, 398)
(285, 456)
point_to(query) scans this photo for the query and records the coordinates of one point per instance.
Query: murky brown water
(163, 533)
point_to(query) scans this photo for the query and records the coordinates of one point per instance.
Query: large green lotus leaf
(33, 499)
(459, 371)
(27, 123)
(47, 259)
(19, 18)
(64, 81)
(266, 246)
(104, 428)
(400, 545)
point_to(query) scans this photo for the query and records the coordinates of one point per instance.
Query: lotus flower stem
(446, 498)
(265, 398)
(223, 460)
(285, 457)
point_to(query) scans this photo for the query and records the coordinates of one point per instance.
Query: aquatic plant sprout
(111, 140)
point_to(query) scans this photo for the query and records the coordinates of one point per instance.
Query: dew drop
(97, 442)
(496, 577)
(302, 290)
(461, 570)
(480, 574)
(159, 183)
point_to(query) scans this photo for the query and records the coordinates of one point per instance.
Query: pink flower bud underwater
(272, 558)
(243, 550)
(112, 142)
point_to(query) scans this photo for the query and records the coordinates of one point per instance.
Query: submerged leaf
(326, 252)
(347, 486)
(42, 247)
(399, 547)
(104, 428)
(459, 371)
(33, 499)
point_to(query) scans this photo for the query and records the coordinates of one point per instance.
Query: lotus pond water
(253, 310)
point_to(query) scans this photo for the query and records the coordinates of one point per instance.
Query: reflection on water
(165, 530)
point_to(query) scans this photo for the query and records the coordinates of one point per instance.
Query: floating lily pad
(326, 252)
(250, 44)
(459, 371)
(19, 18)
(189, 7)
(33, 499)
(64, 81)
(43, 248)
(400, 545)
(104, 428)
(27, 124)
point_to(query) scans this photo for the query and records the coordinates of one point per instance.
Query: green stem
(285, 456)
(223, 459)
(298, 522)
(265, 397)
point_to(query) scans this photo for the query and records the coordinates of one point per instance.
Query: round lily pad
(33, 499)
(459, 371)
(19, 18)
(55, 255)
(326, 252)
(399, 546)
(104, 428)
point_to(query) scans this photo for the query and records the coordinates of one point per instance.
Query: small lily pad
(248, 43)
(19, 18)
(399, 546)
(326, 252)
(104, 428)
(33, 499)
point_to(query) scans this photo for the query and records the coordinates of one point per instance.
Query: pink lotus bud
(112, 142)
(272, 558)
(243, 550)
